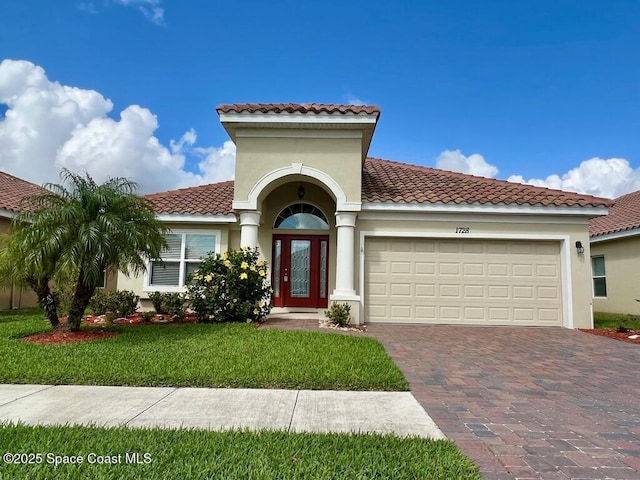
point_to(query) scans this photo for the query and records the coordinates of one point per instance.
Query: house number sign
(462, 229)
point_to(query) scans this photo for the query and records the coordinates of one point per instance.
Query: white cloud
(609, 178)
(356, 101)
(474, 164)
(48, 126)
(150, 9)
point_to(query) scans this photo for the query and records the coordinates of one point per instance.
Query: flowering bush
(231, 287)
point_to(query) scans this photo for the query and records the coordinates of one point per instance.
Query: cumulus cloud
(48, 126)
(609, 178)
(151, 9)
(474, 164)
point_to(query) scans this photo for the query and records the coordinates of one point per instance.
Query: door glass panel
(276, 268)
(300, 262)
(323, 269)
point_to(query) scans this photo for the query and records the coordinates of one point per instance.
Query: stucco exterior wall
(15, 297)
(494, 226)
(622, 268)
(340, 158)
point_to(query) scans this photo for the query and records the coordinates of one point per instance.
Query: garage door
(453, 281)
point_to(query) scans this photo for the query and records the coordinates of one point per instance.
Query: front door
(299, 270)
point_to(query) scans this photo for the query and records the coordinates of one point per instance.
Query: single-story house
(615, 257)
(12, 191)
(399, 243)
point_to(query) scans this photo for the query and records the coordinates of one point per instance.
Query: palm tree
(80, 232)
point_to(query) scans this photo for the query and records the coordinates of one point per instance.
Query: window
(599, 277)
(301, 216)
(182, 257)
(103, 281)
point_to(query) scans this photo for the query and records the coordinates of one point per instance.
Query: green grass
(199, 355)
(196, 454)
(615, 320)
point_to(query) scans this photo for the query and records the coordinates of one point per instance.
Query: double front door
(300, 273)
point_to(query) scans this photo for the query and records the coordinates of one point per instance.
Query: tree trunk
(47, 299)
(79, 303)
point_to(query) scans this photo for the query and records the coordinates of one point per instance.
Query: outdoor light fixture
(300, 192)
(579, 247)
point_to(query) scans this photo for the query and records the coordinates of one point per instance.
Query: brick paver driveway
(527, 402)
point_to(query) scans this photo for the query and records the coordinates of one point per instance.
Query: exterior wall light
(579, 247)
(300, 192)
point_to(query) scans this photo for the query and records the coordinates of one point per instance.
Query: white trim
(615, 235)
(187, 218)
(6, 213)
(296, 133)
(296, 169)
(565, 260)
(475, 217)
(480, 208)
(147, 287)
(299, 117)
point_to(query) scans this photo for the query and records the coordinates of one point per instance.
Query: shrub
(122, 302)
(339, 314)
(98, 303)
(156, 300)
(173, 304)
(119, 302)
(231, 287)
(148, 316)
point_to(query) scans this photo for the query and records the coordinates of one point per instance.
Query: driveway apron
(546, 403)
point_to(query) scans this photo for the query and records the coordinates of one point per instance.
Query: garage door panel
(400, 267)
(469, 281)
(425, 268)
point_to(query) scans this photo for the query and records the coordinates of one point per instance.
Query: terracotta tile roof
(623, 215)
(13, 190)
(213, 199)
(297, 108)
(386, 181)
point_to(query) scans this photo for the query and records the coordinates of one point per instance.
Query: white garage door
(484, 282)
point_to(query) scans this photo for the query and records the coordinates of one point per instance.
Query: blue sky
(544, 91)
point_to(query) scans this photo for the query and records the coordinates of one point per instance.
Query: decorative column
(346, 225)
(249, 223)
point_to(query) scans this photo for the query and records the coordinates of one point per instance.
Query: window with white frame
(599, 276)
(182, 257)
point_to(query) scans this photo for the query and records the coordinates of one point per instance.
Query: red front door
(299, 270)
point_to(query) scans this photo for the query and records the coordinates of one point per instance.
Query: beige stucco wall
(622, 268)
(135, 283)
(15, 297)
(487, 226)
(340, 158)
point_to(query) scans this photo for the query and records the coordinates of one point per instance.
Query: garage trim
(565, 259)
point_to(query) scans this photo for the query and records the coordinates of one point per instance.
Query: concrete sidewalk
(217, 409)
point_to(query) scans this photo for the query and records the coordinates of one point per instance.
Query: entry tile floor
(524, 403)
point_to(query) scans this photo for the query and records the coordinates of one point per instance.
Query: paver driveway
(527, 402)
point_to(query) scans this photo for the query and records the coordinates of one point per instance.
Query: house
(399, 243)
(12, 191)
(615, 257)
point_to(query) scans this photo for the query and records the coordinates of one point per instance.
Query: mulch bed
(61, 336)
(613, 333)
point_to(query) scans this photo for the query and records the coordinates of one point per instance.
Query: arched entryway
(300, 260)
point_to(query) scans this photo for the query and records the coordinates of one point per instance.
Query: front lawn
(198, 355)
(196, 454)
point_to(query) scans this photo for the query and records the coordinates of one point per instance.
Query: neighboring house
(399, 243)
(615, 257)
(12, 191)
